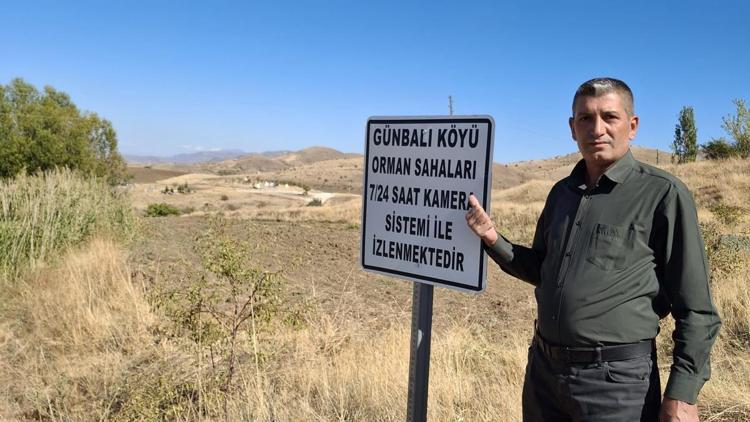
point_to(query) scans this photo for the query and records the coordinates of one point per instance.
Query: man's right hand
(677, 411)
(480, 223)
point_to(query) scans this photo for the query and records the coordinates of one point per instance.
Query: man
(617, 247)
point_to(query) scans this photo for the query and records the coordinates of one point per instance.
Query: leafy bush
(161, 210)
(723, 256)
(183, 188)
(315, 203)
(216, 308)
(43, 214)
(719, 149)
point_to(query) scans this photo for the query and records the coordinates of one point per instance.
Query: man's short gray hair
(601, 86)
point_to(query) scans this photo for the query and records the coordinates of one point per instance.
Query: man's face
(602, 128)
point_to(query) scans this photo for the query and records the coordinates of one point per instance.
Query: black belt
(594, 354)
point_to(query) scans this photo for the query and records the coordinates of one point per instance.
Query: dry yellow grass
(726, 396)
(348, 209)
(68, 333)
(86, 352)
(363, 376)
(726, 182)
(89, 339)
(531, 191)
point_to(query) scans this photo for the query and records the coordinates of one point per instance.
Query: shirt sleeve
(520, 261)
(682, 270)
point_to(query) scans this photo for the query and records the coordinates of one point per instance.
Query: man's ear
(634, 121)
(572, 130)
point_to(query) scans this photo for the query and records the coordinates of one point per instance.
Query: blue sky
(176, 77)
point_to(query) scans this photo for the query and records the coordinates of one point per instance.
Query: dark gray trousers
(626, 390)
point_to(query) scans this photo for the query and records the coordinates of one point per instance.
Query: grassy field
(110, 327)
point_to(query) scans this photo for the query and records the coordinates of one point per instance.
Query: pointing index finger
(473, 202)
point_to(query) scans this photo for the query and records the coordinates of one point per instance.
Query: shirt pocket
(610, 245)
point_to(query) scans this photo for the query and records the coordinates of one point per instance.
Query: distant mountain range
(198, 157)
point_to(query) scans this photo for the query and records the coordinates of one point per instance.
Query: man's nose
(598, 127)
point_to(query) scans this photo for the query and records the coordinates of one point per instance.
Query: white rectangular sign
(419, 173)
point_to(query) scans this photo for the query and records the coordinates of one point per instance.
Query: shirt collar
(617, 172)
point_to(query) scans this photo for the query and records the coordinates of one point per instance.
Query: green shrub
(315, 203)
(719, 149)
(729, 215)
(723, 258)
(183, 188)
(216, 308)
(161, 210)
(43, 214)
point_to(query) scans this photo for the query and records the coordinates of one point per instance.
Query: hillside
(313, 155)
(148, 174)
(272, 161)
(247, 164)
(558, 167)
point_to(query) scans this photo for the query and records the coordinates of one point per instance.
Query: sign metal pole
(419, 359)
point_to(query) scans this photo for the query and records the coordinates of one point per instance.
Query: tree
(738, 127)
(43, 130)
(685, 143)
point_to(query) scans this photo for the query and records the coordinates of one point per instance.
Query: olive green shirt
(610, 261)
